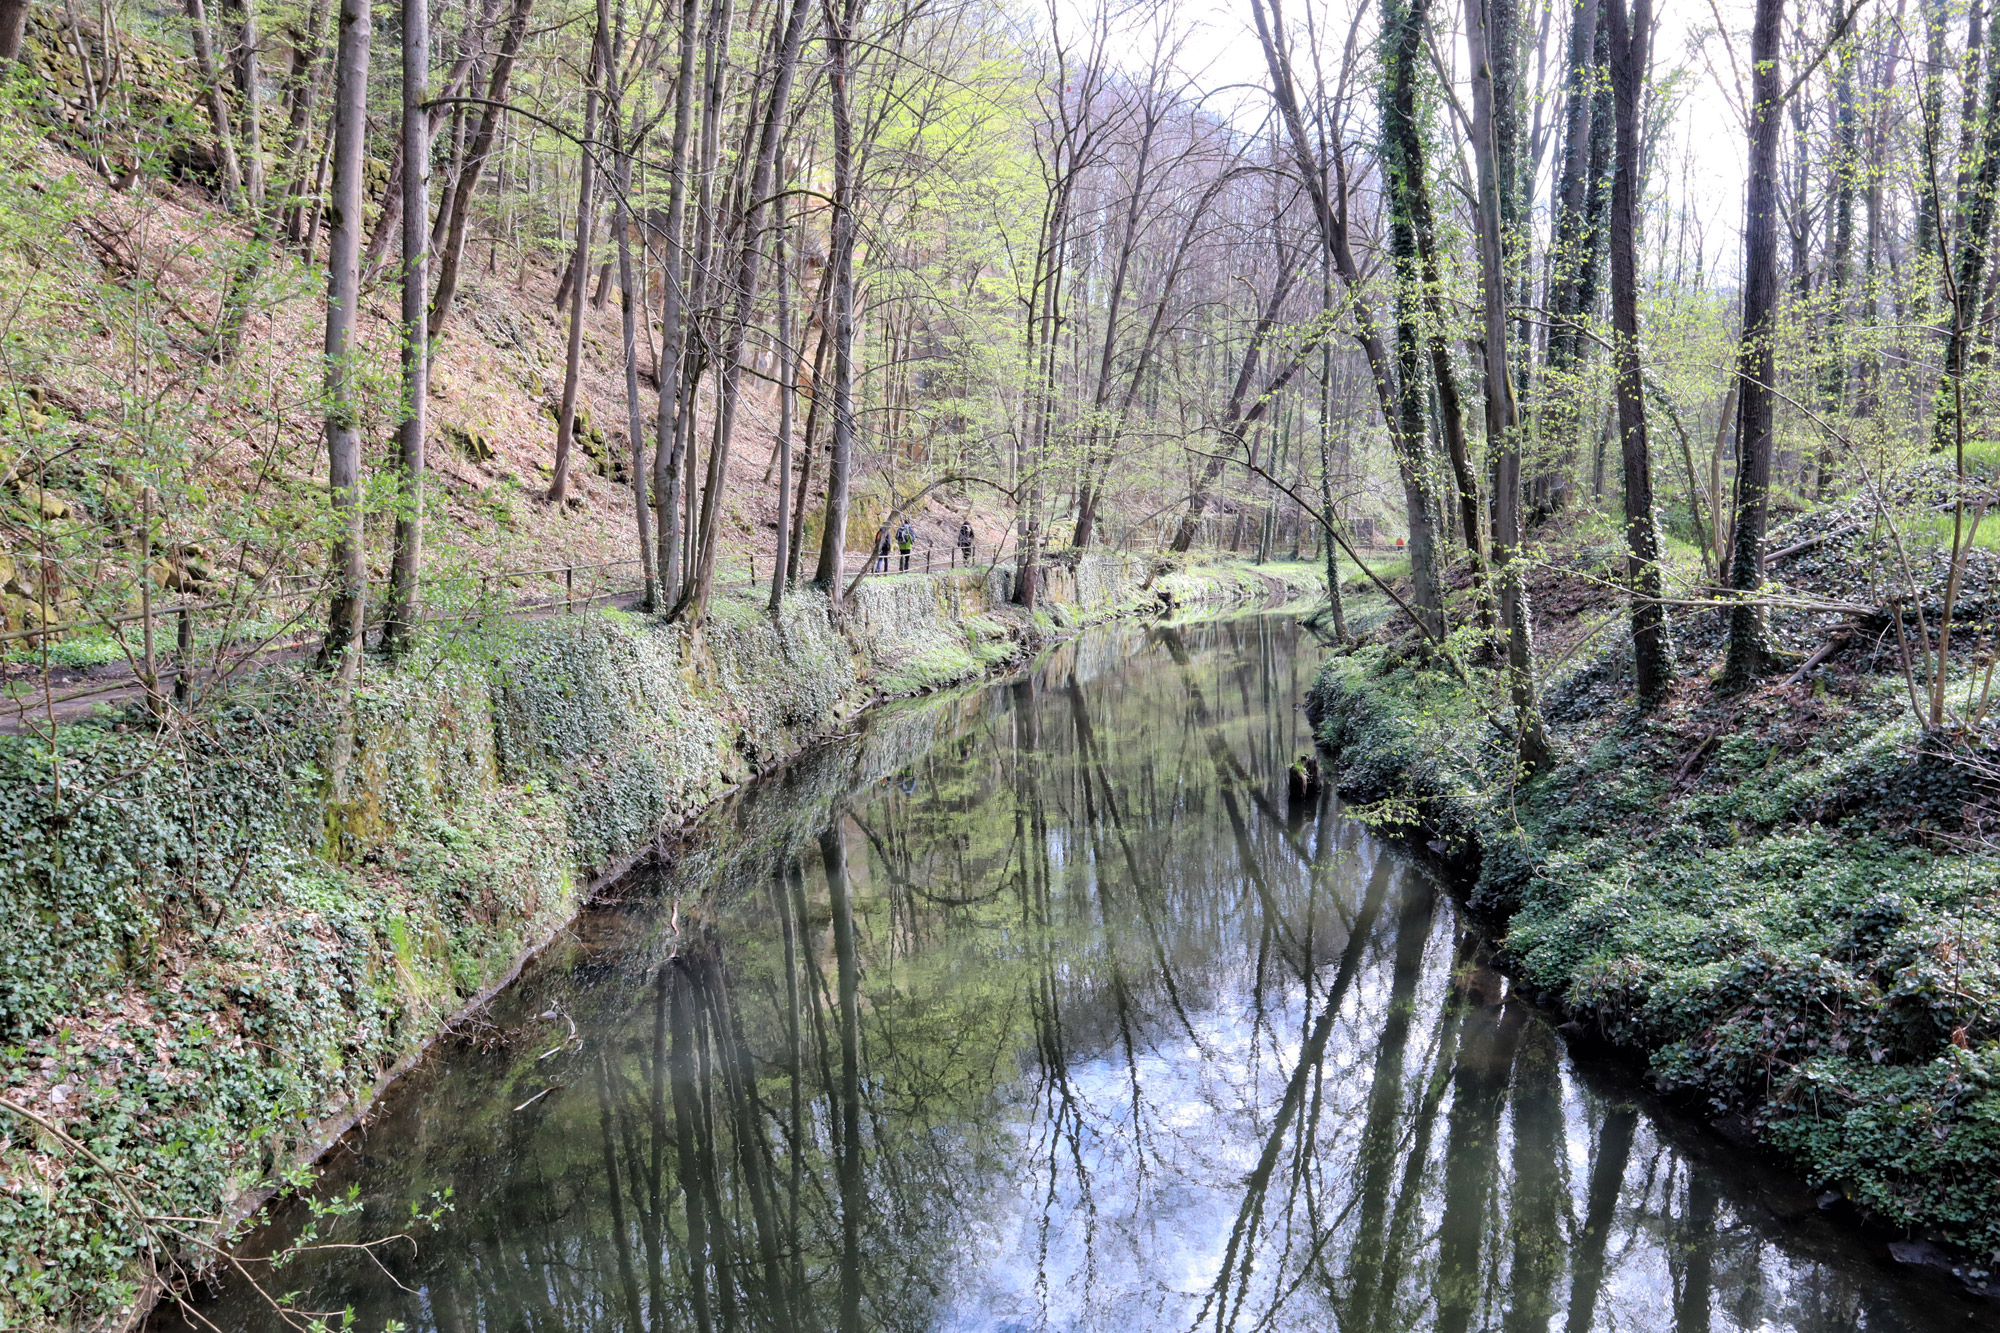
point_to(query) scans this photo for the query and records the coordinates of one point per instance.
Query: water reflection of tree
(987, 986)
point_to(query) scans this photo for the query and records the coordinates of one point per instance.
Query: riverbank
(222, 940)
(1780, 901)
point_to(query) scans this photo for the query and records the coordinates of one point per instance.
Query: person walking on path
(965, 540)
(882, 554)
(906, 539)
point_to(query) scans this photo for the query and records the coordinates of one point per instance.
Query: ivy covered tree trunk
(1489, 30)
(1403, 24)
(1414, 245)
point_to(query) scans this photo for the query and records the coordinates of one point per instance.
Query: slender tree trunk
(630, 301)
(406, 566)
(1503, 416)
(787, 391)
(203, 42)
(388, 221)
(306, 68)
(1847, 166)
(341, 651)
(1403, 163)
(1419, 271)
(1572, 248)
(668, 426)
(833, 539)
(586, 189)
(1975, 226)
(250, 92)
(1652, 653)
(475, 162)
(1749, 641)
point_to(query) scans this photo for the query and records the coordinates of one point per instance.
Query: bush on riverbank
(1777, 897)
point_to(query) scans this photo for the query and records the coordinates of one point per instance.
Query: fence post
(184, 658)
(569, 590)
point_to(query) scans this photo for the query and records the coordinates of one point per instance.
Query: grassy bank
(217, 942)
(1778, 899)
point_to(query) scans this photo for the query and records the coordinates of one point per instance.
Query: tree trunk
(1573, 249)
(1652, 653)
(668, 432)
(833, 540)
(13, 28)
(1484, 34)
(388, 221)
(1403, 169)
(1749, 641)
(203, 42)
(248, 89)
(303, 94)
(787, 389)
(341, 650)
(405, 568)
(1419, 270)
(475, 162)
(1975, 226)
(586, 188)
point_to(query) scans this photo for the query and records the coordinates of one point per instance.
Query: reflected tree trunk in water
(1379, 1137)
(1607, 1177)
(687, 1091)
(1697, 1228)
(1409, 1193)
(1237, 1257)
(656, 1268)
(1539, 1194)
(1472, 1143)
(622, 1239)
(782, 892)
(834, 853)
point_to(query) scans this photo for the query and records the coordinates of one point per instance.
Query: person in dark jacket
(965, 540)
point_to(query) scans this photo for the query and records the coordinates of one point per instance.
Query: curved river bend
(1042, 1007)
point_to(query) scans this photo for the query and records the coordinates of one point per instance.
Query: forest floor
(1784, 900)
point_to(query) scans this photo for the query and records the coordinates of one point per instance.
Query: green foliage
(1783, 939)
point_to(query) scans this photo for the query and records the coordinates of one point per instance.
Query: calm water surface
(1043, 1007)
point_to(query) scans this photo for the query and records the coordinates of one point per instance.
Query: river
(1043, 1006)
